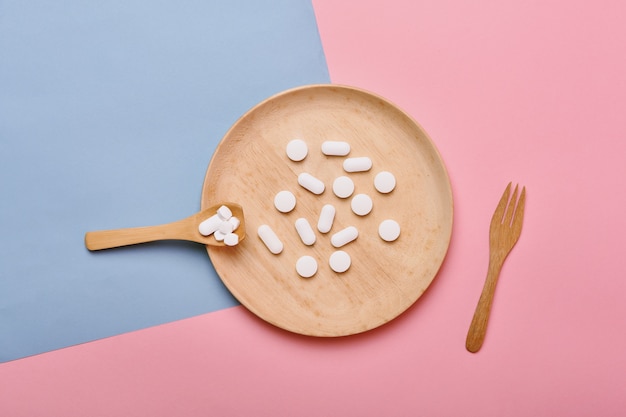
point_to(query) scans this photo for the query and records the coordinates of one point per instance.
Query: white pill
(389, 230)
(297, 150)
(343, 187)
(224, 213)
(210, 225)
(327, 216)
(361, 204)
(270, 239)
(306, 266)
(339, 261)
(384, 182)
(231, 239)
(343, 237)
(359, 164)
(235, 222)
(284, 201)
(226, 227)
(306, 233)
(311, 183)
(334, 148)
(219, 236)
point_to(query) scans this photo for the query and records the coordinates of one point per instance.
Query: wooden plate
(250, 166)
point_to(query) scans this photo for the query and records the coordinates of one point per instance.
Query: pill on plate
(339, 261)
(210, 225)
(361, 204)
(327, 216)
(231, 239)
(224, 213)
(343, 187)
(389, 230)
(359, 164)
(306, 266)
(235, 222)
(284, 201)
(297, 150)
(306, 233)
(270, 239)
(311, 183)
(335, 148)
(384, 182)
(219, 236)
(343, 237)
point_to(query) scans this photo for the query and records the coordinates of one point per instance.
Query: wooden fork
(505, 229)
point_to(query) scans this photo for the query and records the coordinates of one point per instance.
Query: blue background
(109, 115)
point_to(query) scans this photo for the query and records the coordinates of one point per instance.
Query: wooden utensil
(185, 229)
(505, 229)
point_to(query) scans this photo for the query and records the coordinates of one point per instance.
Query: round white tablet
(389, 230)
(285, 201)
(384, 182)
(343, 187)
(306, 266)
(297, 150)
(339, 261)
(361, 204)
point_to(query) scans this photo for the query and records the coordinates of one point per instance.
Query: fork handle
(478, 328)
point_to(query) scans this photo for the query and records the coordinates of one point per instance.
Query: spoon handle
(105, 239)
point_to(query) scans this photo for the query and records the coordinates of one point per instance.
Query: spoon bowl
(184, 229)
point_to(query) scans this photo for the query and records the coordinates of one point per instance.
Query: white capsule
(224, 213)
(384, 182)
(339, 261)
(361, 204)
(231, 239)
(360, 164)
(219, 236)
(389, 230)
(327, 216)
(270, 239)
(306, 266)
(210, 225)
(284, 201)
(297, 150)
(345, 236)
(306, 233)
(235, 222)
(311, 183)
(333, 148)
(343, 187)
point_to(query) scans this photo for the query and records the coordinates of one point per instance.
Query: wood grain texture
(250, 166)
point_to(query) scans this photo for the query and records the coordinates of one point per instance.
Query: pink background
(525, 91)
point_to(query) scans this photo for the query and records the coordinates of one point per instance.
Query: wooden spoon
(185, 229)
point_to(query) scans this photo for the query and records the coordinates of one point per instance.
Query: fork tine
(510, 209)
(519, 212)
(499, 213)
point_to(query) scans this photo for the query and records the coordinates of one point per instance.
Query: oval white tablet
(231, 239)
(389, 230)
(305, 231)
(224, 213)
(359, 164)
(311, 183)
(210, 225)
(235, 222)
(284, 201)
(334, 148)
(270, 239)
(384, 182)
(343, 187)
(339, 261)
(297, 150)
(343, 237)
(327, 216)
(306, 266)
(226, 227)
(361, 204)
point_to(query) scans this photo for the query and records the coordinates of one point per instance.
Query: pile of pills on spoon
(222, 226)
(343, 187)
